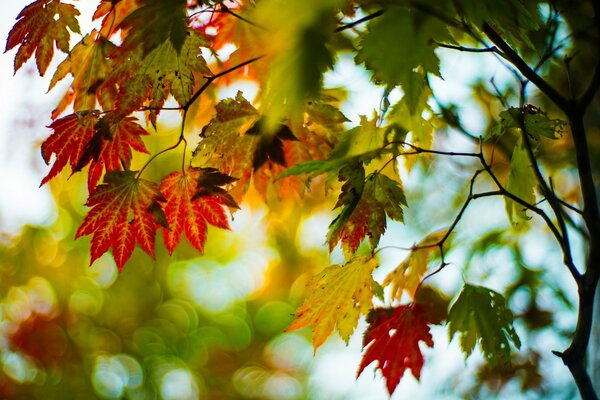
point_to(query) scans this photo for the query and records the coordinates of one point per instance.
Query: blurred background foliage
(180, 327)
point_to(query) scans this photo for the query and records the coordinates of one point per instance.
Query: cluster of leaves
(146, 52)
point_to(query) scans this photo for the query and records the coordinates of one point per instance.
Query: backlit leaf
(38, 27)
(165, 70)
(125, 212)
(68, 141)
(521, 182)
(365, 206)
(194, 200)
(89, 64)
(110, 147)
(407, 276)
(336, 298)
(398, 42)
(480, 315)
(392, 340)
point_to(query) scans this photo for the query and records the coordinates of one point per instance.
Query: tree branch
(352, 24)
(512, 56)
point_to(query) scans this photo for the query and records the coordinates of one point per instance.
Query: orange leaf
(194, 199)
(113, 12)
(124, 212)
(110, 147)
(38, 26)
(89, 64)
(392, 339)
(71, 135)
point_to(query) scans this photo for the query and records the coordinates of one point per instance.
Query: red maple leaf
(39, 25)
(110, 147)
(71, 135)
(193, 200)
(125, 211)
(392, 339)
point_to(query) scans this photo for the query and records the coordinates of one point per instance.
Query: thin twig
(352, 24)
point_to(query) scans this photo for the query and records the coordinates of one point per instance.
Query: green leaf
(295, 44)
(400, 41)
(535, 121)
(154, 23)
(521, 182)
(480, 315)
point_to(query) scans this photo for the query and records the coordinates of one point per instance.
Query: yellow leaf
(336, 299)
(407, 276)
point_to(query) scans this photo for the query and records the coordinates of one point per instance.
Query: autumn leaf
(392, 340)
(336, 298)
(407, 276)
(193, 200)
(149, 79)
(225, 146)
(365, 206)
(38, 27)
(480, 315)
(68, 141)
(89, 64)
(269, 146)
(110, 147)
(125, 212)
(113, 12)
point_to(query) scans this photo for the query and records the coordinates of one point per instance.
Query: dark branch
(512, 56)
(352, 24)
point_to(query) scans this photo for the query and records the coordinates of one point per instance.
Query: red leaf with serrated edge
(190, 207)
(392, 339)
(39, 25)
(124, 212)
(71, 135)
(110, 147)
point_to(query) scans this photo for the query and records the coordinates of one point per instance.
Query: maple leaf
(366, 203)
(392, 339)
(153, 23)
(400, 41)
(270, 144)
(39, 25)
(113, 11)
(480, 314)
(336, 298)
(407, 276)
(152, 77)
(225, 146)
(125, 211)
(193, 200)
(89, 64)
(110, 147)
(70, 137)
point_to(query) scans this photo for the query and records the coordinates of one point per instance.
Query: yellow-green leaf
(336, 298)
(407, 276)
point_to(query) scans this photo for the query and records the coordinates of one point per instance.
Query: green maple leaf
(400, 41)
(154, 23)
(521, 182)
(480, 315)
